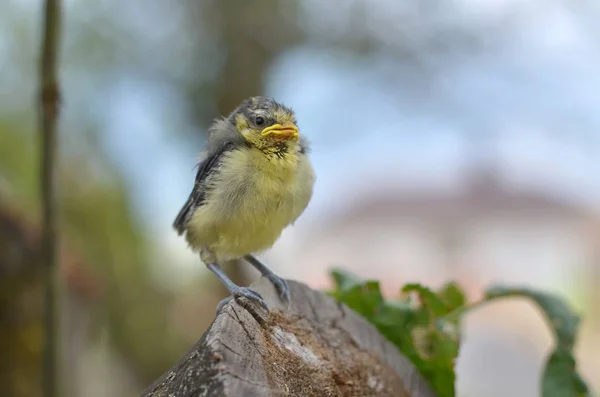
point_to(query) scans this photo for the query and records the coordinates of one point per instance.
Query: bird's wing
(209, 165)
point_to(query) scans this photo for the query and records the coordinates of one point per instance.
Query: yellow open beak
(287, 130)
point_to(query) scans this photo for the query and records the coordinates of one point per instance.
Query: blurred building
(488, 230)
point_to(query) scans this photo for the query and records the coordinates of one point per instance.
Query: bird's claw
(251, 295)
(223, 303)
(282, 287)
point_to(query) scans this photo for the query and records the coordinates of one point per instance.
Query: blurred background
(452, 140)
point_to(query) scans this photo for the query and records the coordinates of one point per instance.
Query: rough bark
(314, 347)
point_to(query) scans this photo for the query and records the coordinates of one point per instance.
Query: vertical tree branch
(49, 106)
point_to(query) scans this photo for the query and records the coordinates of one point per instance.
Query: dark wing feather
(198, 194)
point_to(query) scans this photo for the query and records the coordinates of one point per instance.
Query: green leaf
(438, 351)
(560, 378)
(428, 331)
(416, 329)
(560, 317)
(452, 296)
(428, 298)
(395, 314)
(435, 340)
(364, 298)
(344, 280)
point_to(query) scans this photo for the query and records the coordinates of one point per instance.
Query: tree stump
(314, 347)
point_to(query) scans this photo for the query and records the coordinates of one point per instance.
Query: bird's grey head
(262, 121)
(263, 112)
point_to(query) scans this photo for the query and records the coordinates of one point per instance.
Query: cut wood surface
(314, 347)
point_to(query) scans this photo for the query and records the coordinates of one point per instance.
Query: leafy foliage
(102, 231)
(425, 325)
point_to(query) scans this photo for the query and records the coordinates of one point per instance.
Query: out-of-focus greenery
(98, 224)
(21, 309)
(427, 329)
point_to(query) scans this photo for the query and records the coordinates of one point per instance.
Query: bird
(254, 179)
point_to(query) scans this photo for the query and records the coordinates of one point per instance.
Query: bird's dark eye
(259, 120)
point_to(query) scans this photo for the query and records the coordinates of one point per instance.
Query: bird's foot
(251, 295)
(253, 298)
(223, 303)
(235, 290)
(282, 287)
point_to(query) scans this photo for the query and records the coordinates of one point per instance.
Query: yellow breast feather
(264, 193)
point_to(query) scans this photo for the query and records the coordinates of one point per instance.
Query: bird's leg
(280, 284)
(235, 290)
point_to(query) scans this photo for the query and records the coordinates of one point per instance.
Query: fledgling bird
(255, 179)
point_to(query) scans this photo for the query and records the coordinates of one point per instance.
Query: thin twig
(49, 106)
